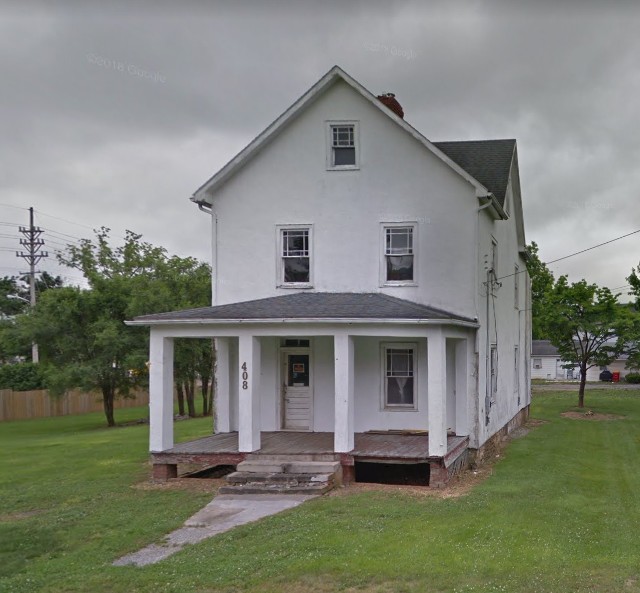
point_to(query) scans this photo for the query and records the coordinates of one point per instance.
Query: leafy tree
(15, 294)
(10, 287)
(83, 339)
(541, 282)
(586, 324)
(633, 361)
(23, 376)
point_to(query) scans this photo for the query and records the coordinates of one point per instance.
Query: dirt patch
(190, 484)
(590, 415)
(459, 485)
(9, 517)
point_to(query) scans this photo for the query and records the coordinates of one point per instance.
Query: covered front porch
(354, 376)
(223, 449)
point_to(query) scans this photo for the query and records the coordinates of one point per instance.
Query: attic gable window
(343, 146)
(294, 249)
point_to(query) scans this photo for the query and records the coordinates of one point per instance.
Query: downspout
(208, 209)
(487, 352)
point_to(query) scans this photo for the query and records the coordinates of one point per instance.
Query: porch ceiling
(310, 306)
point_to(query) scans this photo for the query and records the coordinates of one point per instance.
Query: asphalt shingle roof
(311, 305)
(488, 161)
(543, 348)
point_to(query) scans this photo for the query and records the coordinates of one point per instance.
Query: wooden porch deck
(223, 448)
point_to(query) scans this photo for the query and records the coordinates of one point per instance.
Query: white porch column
(222, 407)
(437, 391)
(462, 397)
(249, 393)
(344, 393)
(160, 392)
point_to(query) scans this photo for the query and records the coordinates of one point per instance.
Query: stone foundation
(492, 445)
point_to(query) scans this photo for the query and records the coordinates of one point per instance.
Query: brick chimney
(389, 100)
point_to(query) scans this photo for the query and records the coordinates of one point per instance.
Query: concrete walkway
(224, 512)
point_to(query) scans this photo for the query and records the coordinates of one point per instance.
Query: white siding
(399, 180)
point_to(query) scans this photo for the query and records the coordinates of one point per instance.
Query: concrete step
(315, 488)
(260, 466)
(311, 467)
(279, 478)
(287, 458)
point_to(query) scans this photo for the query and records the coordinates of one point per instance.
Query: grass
(560, 513)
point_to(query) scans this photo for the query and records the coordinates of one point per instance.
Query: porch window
(295, 256)
(398, 266)
(399, 376)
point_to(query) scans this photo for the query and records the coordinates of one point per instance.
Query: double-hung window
(294, 256)
(343, 145)
(399, 380)
(398, 266)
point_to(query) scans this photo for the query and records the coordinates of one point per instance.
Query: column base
(164, 471)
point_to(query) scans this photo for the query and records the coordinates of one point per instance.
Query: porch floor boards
(367, 445)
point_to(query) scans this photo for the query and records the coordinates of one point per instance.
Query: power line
(12, 206)
(590, 248)
(64, 219)
(553, 261)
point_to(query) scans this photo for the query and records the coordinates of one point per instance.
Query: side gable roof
(489, 161)
(203, 194)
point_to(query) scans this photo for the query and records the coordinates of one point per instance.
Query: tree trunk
(180, 394)
(189, 388)
(205, 396)
(107, 404)
(583, 380)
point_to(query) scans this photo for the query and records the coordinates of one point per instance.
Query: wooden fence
(24, 405)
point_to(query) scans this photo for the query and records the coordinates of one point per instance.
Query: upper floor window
(294, 256)
(398, 266)
(516, 286)
(343, 145)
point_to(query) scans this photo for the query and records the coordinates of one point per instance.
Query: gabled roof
(312, 306)
(546, 348)
(327, 81)
(543, 348)
(489, 161)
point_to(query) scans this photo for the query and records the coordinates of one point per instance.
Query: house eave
(204, 193)
(308, 320)
(497, 211)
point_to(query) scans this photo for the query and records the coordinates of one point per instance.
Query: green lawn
(560, 513)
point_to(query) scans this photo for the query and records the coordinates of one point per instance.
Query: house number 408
(245, 376)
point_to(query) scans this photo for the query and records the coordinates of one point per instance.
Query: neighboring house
(546, 363)
(364, 279)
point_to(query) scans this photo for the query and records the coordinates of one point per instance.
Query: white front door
(297, 404)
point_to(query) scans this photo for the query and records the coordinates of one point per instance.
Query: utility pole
(32, 242)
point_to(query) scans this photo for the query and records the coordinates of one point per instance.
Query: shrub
(632, 378)
(23, 376)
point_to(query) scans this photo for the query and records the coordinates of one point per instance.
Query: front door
(296, 390)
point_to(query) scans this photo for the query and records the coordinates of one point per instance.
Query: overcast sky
(113, 115)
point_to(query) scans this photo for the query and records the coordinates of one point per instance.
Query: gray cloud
(114, 113)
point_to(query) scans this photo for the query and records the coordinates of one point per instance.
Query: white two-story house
(369, 286)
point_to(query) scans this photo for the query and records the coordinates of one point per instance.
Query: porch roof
(310, 306)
